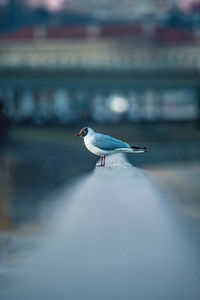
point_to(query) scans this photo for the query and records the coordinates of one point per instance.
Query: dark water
(31, 170)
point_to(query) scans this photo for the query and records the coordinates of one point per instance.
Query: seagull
(102, 145)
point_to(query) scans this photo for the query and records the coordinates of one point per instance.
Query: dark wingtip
(139, 148)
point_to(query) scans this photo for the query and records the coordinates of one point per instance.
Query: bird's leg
(101, 162)
(104, 160)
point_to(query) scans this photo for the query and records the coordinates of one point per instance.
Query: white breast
(89, 145)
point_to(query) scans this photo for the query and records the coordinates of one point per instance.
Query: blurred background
(128, 68)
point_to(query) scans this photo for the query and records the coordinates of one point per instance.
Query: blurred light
(118, 104)
(49, 4)
(186, 4)
(3, 2)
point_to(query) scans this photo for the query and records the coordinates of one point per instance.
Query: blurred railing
(114, 238)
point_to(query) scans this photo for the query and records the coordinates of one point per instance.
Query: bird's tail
(139, 149)
(132, 149)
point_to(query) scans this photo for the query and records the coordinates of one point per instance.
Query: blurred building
(142, 64)
(100, 79)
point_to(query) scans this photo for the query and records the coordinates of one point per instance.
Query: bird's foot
(102, 162)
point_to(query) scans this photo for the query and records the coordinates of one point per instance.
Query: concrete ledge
(116, 239)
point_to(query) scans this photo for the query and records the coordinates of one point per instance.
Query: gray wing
(106, 142)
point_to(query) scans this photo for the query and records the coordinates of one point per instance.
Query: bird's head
(83, 132)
